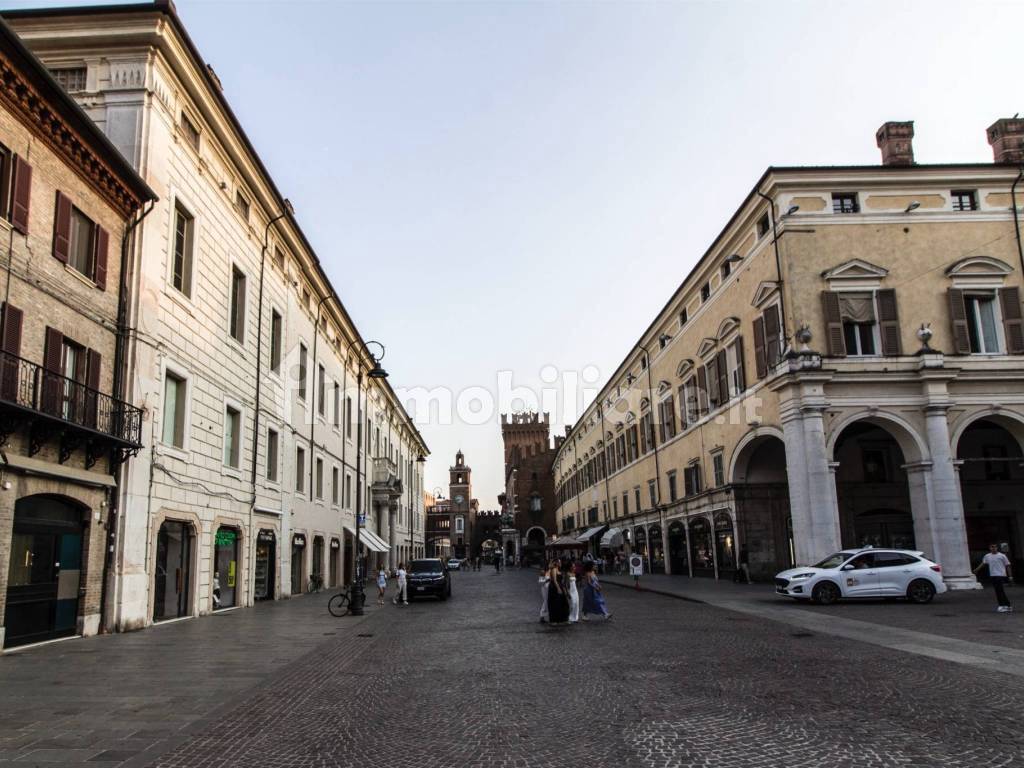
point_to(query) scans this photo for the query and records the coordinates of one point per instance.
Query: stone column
(664, 542)
(392, 553)
(947, 521)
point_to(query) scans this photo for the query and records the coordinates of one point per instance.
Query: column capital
(917, 466)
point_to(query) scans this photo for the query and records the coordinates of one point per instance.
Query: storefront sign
(335, 544)
(299, 540)
(265, 536)
(225, 537)
(636, 565)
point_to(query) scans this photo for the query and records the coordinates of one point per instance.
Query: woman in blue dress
(593, 597)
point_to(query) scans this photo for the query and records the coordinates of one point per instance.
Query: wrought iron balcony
(51, 404)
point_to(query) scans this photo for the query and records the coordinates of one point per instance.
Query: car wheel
(826, 593)
(920, 591)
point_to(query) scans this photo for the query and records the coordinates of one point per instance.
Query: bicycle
(316, 583)
(341, 603)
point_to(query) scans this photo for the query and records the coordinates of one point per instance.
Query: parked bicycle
(316, 583)
(341, 603)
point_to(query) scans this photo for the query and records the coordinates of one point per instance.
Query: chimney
(896, 142)
(1007, 139)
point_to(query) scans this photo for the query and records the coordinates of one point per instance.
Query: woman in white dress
(574, 595)
(544, 581)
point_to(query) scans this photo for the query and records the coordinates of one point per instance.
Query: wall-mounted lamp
(913, 206)
(733, 259)
(791, 210)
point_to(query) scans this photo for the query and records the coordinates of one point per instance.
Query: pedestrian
(593, 597)
(742, 572)
(558, 600)
(574, 598)
(999, 573)
(544, 581)
(497, 563)
(382, 585)
(401, 592)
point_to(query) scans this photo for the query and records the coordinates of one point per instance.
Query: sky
(506, 193)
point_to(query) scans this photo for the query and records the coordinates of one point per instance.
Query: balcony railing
(385, 471)
(62, 401)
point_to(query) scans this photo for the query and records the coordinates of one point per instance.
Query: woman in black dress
(558, 596)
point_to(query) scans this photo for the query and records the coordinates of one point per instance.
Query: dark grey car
(429, 576)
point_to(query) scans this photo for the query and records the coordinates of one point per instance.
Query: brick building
(529, 498)
(68, 204)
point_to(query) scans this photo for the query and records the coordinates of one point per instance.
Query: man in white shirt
(401, 594)
(999, 573)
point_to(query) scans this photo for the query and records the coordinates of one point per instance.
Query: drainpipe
(778, 269)
(1016, 220)
(120, 345)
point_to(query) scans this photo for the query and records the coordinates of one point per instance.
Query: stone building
(529, 497)
(68, 204)
(267, 426)
(843, 366)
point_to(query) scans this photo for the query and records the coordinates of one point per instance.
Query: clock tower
(460, 492)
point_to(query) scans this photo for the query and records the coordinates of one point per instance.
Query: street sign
(636, 565)
(362, 520)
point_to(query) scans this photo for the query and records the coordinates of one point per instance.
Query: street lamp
(356, 606)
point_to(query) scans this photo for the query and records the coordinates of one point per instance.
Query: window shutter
(102, 246)
(62, 229)
(711, 380)
(92, 381)
(702, 391)
(722, 364)
(833, 324)
(683, 421)
(11, 344)
(21, 187)
(759, 358)
(51, 375)
(1013, 324)
(772, 343)
(740, 365)
(958, 317)
(889, 322)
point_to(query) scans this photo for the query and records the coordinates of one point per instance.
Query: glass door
(173, 577)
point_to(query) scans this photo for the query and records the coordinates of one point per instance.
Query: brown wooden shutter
(712, 383)
(702, 391)
(772, 343)
(683, 421)
(21, 194)
(52, 380)
(889, 322)
(1013, 324)
(722, 364)
(62, 229)
(741, 366)
(11, 343)
(759, 358)
(92, 382)
(835, 342)
(102, 246)
(958, 317)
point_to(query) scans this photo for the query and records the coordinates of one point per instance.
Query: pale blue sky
(504, 186)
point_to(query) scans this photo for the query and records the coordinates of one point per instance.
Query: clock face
(459, 499)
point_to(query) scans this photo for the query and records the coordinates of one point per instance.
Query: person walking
(574, 598)
(544, 581)
(999, 573)
(401, 593)
(593, 597)
(382, 585)
(497, 563)
(742, 573)
(558, 600)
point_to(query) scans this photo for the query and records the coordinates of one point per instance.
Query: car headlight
(801, 576)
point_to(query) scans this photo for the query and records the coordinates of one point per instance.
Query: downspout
(317, 397)
(1016, 219)
(120, 344)
(778, 271)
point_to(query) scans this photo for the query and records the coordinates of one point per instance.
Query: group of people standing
(401, 593)
(560, 595)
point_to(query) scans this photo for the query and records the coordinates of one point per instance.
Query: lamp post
(421, 460)
(374, 373)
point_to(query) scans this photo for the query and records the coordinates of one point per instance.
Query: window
(348, 416)
(982, 323)
(845, 202)
(6, 182)
(348, 491)
(303, 354)
(82, 247)
(319, 477)
(673, 492)
(190, 130)
(663, 340)
(625, 503)
(237, 319)
(321, 384)
(337, 404)
(459, 525)
(276, 335)
(615, 507)
(667, 415)
(272, 453)
(718, 466)
(652, 490)
(335, 489)
(71, 79)
(232, 436)
(964, 199)
(763, 225)
(692, 479)
(705, 292)
(726, 269)
(279, 257)
(859, 337)
(684, 317)
(181, 268)
(174, 410)
(300, 469)
(734, 365)
(636, 498)
(242, 205)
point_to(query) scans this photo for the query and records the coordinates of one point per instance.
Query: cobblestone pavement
(476, 681)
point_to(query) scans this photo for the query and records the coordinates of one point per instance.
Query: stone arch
(1011, 421)
(914, 447)
(746, 447)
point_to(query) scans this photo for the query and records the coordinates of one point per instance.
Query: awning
(590, 533)
(565, 542)
(612, 538)
(369, 539)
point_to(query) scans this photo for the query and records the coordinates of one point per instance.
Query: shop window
(225, 574)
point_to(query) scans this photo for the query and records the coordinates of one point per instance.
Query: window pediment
(979, 266)
(707, 346)
(663, 387)
(644, 404)
(765, 290)
(684, 367)
(855, 269)
(727, 327)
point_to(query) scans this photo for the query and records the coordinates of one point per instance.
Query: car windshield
(833, 561)
(425, 566)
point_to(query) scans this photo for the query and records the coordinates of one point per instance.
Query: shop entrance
(225, 569)
(266, 559)
(173, 580)
(657, 549)
(44, 572)
(702, 556)
(317, 574)
(725, 545)
(298, 554)
(678, 556)
(335, 567)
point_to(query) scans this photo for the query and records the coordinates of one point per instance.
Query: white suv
(865, 572)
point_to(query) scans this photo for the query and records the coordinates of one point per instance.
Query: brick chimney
(896, 142)
(1007, 139)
